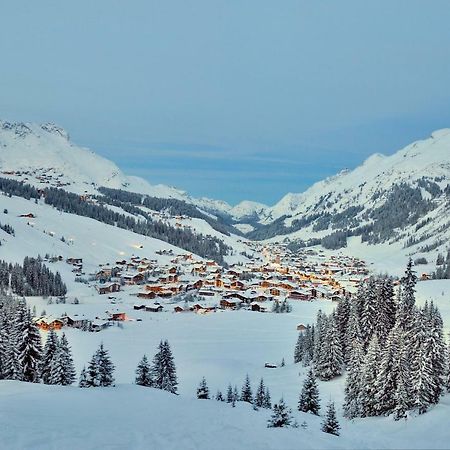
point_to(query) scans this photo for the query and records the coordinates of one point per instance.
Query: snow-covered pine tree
(246, 392)
(236, 397)
(202, 390)
(386, 309)
(83, 380)
(163, 369)
(68, 368)
(386, 384)
(330, 362)
(105, 367)
(369, 373)
(299, 348)
(309, 397)
(29, 349)
(369, 312)
(92, 373)
(219, 396)
(319, 338)
(342, 318)
(404, 395)
(423, 380)
(143, 373)
(260, 394)
(50, 348)
(267, 400)
(353, 386)
(281, 416)
(230, 394)
(330, 424)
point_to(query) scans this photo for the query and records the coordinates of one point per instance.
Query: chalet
(206, 292)
(98, 325)
(229, 304)
(138, 307)
(49, 323)
(299, 295)
(28, 215)
(301, 328)
(118, 316)
(254, 306)
(74, 321)
(74, 261)
(147, 294)
(179, 309)
(132, 278)
(156, 307)
(107, 288)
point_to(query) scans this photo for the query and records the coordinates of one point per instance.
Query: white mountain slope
(402, 201)
(46, 151)
(429, 158)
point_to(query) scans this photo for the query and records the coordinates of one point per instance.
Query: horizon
(250, 115)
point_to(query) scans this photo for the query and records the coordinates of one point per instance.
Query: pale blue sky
(230, 99)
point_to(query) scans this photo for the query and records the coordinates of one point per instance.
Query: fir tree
(246, 393)
(219, 396)
(105, 367)
(330, 424)
(260, 394)
(267, 400)
(163, 370)
(281, 416)
(309, 397)
(370, 370)
(83, 380)
(353, 386)
(143, 373)
(48, 354)
(29, 349)
(230, 395)
(202, 390)
(65, 355)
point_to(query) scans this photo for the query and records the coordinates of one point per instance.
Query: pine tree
(299, 348)
(29, 349)
(386, 384)
(342, 319)
(246, 393)
(369, 312)
(230, 395)
(202, 390)
(163, 369)
(219, 396)
(48, 354)
(330, 362)
(309, 397)
(235, 396)
(260, 394)
(65, 355)
(105, 367)
(330, 424)
(353, 387)
(267, 400)
(143, 373)
(281, 416)
(92, 373)
(369, 374)
(83, 381)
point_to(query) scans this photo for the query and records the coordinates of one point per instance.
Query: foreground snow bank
(132, 417)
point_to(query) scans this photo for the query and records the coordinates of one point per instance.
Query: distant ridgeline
(31, 278)
(175, 207)
(204, 246)
(404, 205)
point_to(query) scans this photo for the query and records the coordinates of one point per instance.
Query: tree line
(203, 245)
(393, 351)
(31, 278)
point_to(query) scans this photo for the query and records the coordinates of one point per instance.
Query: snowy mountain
(47, 153)
(403, 198)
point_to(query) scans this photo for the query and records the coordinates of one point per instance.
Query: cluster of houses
(187, 284)
(273, 274)
(47, 176)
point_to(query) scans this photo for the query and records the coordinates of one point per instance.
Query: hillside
(403, 199)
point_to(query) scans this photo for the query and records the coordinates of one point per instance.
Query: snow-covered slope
(45, 150)
(412, 184)
(429, 158)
